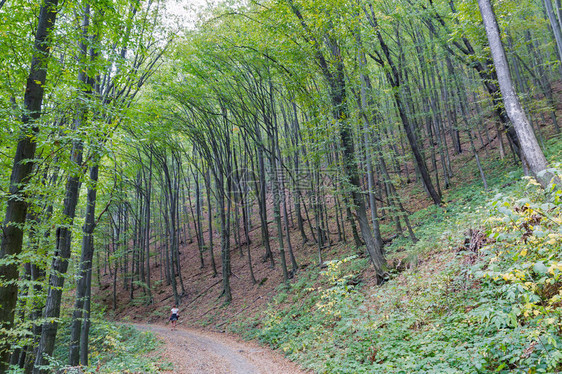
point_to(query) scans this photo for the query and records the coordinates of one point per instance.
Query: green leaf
(540, 268)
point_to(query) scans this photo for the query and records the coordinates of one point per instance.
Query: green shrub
(114, 348)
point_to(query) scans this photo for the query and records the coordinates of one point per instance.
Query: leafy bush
(114, 348)
(524, 263)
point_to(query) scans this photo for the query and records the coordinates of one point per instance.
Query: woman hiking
(174, 317)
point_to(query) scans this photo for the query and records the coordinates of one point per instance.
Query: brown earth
(194, 351)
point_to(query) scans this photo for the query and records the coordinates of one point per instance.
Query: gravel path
(203, 352)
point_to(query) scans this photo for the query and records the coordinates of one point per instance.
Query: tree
(531, 151)
(16, 210)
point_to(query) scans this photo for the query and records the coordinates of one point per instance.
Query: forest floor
(193, 351)
(202, 306)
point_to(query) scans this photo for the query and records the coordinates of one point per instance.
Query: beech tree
(95, 103)
(531, 151)
(267, 128)
(16, 210)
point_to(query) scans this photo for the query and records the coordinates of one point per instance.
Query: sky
(183, 13)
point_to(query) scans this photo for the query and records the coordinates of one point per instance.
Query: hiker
(174, 317)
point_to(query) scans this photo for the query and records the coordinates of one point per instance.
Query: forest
(363, 186)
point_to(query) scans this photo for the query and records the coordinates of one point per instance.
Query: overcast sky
(183, 13)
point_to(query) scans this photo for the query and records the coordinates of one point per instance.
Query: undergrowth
(483, 295)
(114, 348)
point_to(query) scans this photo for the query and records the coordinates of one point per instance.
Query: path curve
(203, 352)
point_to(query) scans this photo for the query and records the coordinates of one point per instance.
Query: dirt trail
(202, 352)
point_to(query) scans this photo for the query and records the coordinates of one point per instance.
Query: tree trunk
(530, 149)
(85, 332)
(262, 201)
(393, 77)
(85, 268)
(59, 266)
(210, 221)
(555, 27)
(16, 209)
(64, 233)
(148, 192)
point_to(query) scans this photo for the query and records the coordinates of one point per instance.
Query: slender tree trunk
(59, 267)
(556, 30)
(246, 223)
(224, 206)
(365, 105)
(543, 78)
(85, 332)
(196, 216)
(64, 233)
(462, 100)
(262, 202)
(210, 220)
(147, 227)
(168, 217)
(297, 172)
(16, 208)
(530, 149)
(85, 266)
(393, 77)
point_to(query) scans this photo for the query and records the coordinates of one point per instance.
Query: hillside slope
(440, 309)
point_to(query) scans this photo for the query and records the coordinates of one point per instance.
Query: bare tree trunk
(262, 201)
(85, 332)
(543, 79)
(210, 221)
(365, 105)
(82, 284)
(59, 267)
(530, 149)
(394, 78)
(296, 160)
(196, 216)
(224, 207)
(246, 224)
